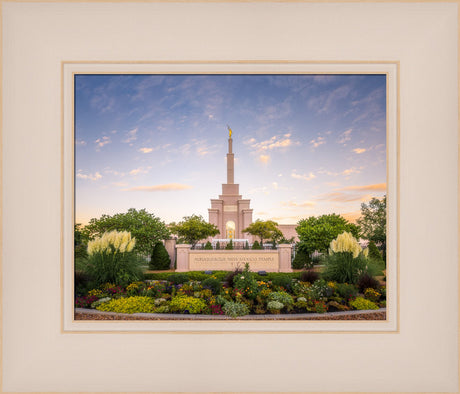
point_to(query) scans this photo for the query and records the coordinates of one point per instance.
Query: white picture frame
(39, 354)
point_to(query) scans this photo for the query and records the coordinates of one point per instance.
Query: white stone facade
(230, 213)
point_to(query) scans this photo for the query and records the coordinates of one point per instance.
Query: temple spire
(230, 159)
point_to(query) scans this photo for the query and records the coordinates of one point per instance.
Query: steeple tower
(230, 212)
(230, 162)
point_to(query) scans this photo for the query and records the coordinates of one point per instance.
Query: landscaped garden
(113, 281)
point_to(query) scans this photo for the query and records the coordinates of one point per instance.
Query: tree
(160, 258)
(264, 230)
(373, 222)
(80, 242)
(144, 226)
(193, 229)
(316, 233)
(208, 246)
(229, 246)
(256, 245)
(301, 259)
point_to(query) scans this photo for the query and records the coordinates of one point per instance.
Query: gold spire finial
(229, 131)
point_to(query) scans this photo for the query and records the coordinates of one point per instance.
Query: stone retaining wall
(228, 260)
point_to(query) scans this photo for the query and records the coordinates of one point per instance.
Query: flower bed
(241, 293)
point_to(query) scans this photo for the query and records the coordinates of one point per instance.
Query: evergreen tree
(256, 245)
(160, 258)
(218, 245)
(301, 259)
(229, 246)
(208, 246)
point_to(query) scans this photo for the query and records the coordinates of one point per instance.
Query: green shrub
(235, 309)
(208, 246)
(111, 259)
(161, 309)
(342, 267)
(246, 283)
(246, 246)
(178, 278)
(229, 246)
(372, 294)
(283, 281)
(283, 297)
(374, 252)
(100, 301)
(160, 258)
(184, 304)
(128, 305)
(256, 245)
(275, 306)
(214, 285)
(319, 290)
(201, 275)
(361, 303)
(218, 245)
(272, 275)
(346, 291)
(302, 258)
(192, 275)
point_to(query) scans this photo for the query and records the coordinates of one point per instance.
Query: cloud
(352, 170)
(100, 142)
(374, 187)
(293, 204)
(108, 170)
(92, 177)
(348, 171)
(305, 177)
(359, 150)
(131, 136)
(80, 143)
(275, 142)
(264, 159)
(342, 197)
(262, 189)
(161, 188)
(140, 170)
(345, 136)
(145, 150)
(329, 100)
(317, 142)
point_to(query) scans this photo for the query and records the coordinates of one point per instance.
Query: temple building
(230, 212)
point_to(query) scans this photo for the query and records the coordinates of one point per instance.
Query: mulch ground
(364, 316)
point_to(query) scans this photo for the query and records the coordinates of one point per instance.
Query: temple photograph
(230, 195)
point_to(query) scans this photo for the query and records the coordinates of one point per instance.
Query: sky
(304, 145)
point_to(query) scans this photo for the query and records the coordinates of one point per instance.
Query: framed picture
(187, 158)
(43, 56)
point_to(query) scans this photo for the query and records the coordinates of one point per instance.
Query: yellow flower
(345, 242)
(112, 242)
(366, 252)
